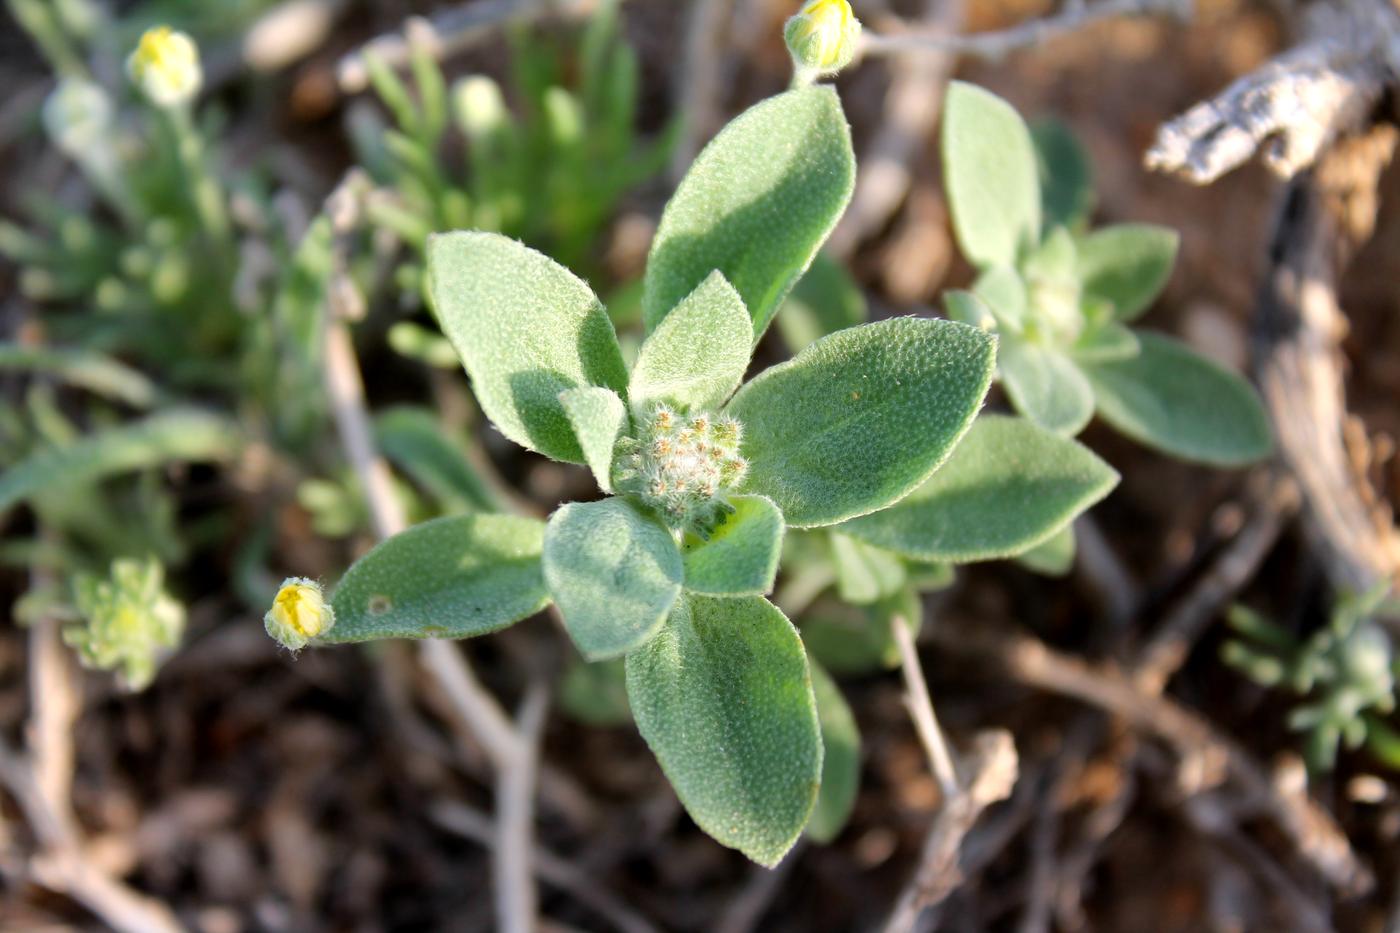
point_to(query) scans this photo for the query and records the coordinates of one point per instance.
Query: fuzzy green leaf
(857, 640)
(861, 417)
(1128, 265)
(991, 176)
(614, 572)
(723, 696)
(757, 205)
(696, 356)
(1007, 487)
(452, 577)
(1066, 183)
(1045, 385)
(1053, 557)
(865, 573)
(1171, 398)
(967, 308)
(598, 417)
(840, 759)
(824, 301)
(170, 437)
(526, 329)
(741, 557)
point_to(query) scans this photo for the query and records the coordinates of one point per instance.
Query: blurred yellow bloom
(166, 67)
(298, 614)
(822, 36)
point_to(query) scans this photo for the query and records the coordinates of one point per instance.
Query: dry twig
(1295, 106)
(997, 45)
(990, 772)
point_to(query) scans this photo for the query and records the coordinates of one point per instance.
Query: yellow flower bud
(166, 67)
(298, 614)
(822, 37)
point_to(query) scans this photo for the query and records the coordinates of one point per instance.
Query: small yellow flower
(298, 614)
(822, 36)
(166, 67)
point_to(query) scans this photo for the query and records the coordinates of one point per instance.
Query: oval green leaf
(696, 356)
(991, 176)
(453, 577)
(757, 204)
(1045, 385)
(1128, 265)
(1007, 487)
(598, 418)
(741, 556)
(723, 696)
(861, 417)
(613, 572)
(526, 329)
(1173, 399)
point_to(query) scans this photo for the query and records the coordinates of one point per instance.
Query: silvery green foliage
(1060, 297)
(1344, 672)
(707, 475)
(128, 620)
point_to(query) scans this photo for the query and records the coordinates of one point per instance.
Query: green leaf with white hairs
(861, 417)
(174, 436)
(991, 176)
(526, 329)
(1173, 399)
(1128, 265)
(1045, 385)
(1007, 487)
(723, 696)
(840, 759)
(696, 356)
(865, 573)
(741, 556)
(453, 577)
(614, 573)
(757, 204)
(1003, 292)
(1053, 557)
(598, 417)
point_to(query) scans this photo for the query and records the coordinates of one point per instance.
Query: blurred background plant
(182, 302)
(1344, 675)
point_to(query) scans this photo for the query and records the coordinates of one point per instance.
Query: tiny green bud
(481, 108)
(165, 66)
(822, 37)
(299, 613)
(77, 117)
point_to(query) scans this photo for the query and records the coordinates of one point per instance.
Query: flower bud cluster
(682, 466)
(129, 620)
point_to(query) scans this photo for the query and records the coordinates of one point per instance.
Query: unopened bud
(298, 614)
(165, 66)
(822, 37)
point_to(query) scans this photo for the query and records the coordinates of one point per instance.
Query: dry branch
(997, 45)
(1295, 106)
(1299, 325)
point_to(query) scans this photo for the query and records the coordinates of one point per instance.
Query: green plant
(551, 175)
(868, 431)
(1061, 297)
(1344, 673)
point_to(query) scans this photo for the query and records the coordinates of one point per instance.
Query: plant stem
(921, 710)
(203, 187)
